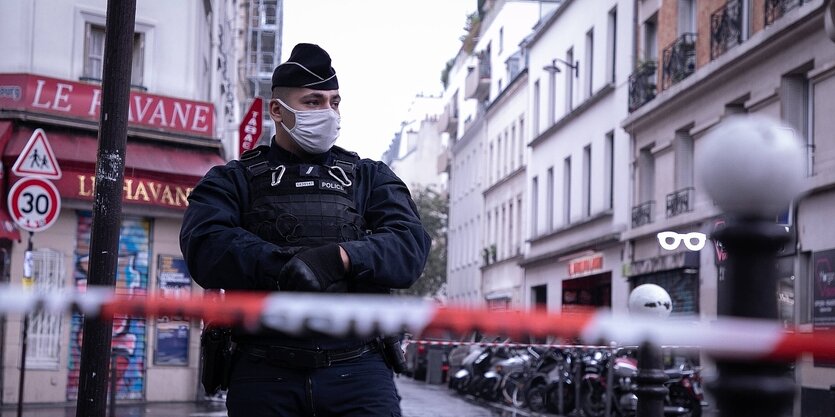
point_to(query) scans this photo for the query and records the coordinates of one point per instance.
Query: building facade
(180, 110)
(413, 154)
(579, 60)
(700, 62)
(483, 137)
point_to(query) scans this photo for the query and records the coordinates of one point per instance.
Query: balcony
(642, 214)
(448, 120)
(775, 9)
(680, 201)
(725, 28)
(642, 86)
(443, 162)
(679, 60)
(477, 84)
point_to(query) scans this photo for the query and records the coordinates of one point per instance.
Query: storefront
(170, 147)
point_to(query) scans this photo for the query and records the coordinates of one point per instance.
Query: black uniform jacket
(220, 253)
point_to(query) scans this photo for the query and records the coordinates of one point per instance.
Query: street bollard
(651, 378)
(752, 167)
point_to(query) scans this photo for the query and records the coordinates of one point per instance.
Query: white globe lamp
(751, 165)
(650, 300)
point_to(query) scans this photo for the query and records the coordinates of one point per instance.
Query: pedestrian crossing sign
(37, 159)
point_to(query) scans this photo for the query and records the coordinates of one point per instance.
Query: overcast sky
(384, 53)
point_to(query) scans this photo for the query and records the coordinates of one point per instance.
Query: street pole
(27, 283)
(752, 166)
(107, 206)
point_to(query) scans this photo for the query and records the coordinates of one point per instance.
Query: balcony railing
(725, 28)
(680, 201)
(642, 214)
(679, 60)
(642, 86)
(775, 9)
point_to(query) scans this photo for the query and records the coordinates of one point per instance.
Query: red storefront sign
(39, 94)
(585, 265)
(250, 129)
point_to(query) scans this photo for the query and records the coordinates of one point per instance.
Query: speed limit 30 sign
(34, 203)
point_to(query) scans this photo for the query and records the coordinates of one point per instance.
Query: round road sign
(34, 204)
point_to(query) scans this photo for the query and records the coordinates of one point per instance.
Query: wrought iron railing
(642, 214)
(679, 60)
(725, 28)
(775, 9)
(680, 201)
(642, 85)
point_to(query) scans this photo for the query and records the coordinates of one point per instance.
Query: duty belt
(288, 357)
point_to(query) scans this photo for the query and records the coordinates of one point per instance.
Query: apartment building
(181, 110)
(701, 61)
(579, 60)
(484, 117)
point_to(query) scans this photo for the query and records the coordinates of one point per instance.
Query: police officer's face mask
(315, 131)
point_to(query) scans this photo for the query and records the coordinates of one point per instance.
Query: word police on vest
(329, 185)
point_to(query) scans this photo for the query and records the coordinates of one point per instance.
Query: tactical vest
(301, 204)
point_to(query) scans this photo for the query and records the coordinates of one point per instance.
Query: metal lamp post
(752, 167)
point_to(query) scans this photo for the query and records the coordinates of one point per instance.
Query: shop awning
(148, 159)
(156, 174)
(8, 230)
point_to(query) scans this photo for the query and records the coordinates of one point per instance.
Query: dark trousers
(359, 387)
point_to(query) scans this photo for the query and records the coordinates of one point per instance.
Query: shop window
(43, 349)
(681, 284)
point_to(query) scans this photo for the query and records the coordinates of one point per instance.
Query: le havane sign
(585, 265)
(40, 94)
(135, 191)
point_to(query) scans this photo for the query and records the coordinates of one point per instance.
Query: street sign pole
(107, 206)
(27, 283)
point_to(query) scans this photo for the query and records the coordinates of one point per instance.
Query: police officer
(304, 215)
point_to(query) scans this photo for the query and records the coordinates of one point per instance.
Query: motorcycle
(552, 384)
(685, 396)
(600, 369)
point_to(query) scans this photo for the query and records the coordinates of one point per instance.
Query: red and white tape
(340, 314)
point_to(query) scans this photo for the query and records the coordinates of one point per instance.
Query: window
(569, 82)
(522, 141)
(501, 39)
(539, 297)
(94, 55)
(683, 159)
(587, 181)
(513, 148)
(646, 175)
(518, 248)
(490, 166)
(609, 169)
(506, 153)
(552, 97)
(589, 62)
(503, 234)
(651, 38)
(795, 97)
(549, 202)
(511, 236)
(534, 205)
(566, 188)
(536, 108)
(498, 166)
(686, 16)
(44, 339)
(612, 44)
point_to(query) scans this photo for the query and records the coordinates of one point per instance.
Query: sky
(384, 52)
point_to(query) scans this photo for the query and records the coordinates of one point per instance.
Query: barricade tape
(518, 345)
(340, 314)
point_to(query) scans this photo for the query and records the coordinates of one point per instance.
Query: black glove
(314, 270)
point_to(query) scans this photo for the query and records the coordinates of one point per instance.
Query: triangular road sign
(37, 159)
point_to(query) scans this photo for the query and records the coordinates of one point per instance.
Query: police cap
(309, 66)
